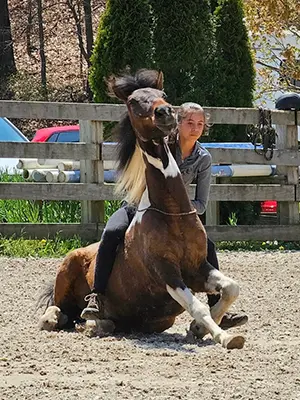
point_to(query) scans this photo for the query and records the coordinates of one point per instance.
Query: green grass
(258, 246)
(20, 247)
(30, 211)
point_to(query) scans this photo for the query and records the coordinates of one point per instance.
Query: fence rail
(92, 152)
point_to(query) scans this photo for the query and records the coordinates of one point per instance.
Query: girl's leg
(112, 236)
(213, 260)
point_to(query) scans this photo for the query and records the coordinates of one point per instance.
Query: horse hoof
(100, 327)
(234, 342)
(49, 321)
(198, 331)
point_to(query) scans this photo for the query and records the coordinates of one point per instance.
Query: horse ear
(115, 88)
(160, 80)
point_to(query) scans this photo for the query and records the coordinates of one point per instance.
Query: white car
(10, 133)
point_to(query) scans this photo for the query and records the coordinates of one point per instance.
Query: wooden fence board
(61, 111)
(57, 191)
(254, 232)
(91, 151)
(113, 112)
(72, 151)
(93, 191)
(230, 156)
(92, 232)
(248, 192)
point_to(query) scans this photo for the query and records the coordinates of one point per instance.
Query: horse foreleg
(52, 319)
(201, 314)
(229, 289)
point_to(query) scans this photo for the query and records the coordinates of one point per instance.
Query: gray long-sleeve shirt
(196, 168)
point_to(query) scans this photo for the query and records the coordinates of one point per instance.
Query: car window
(9, 133)
(68, 136)
(52, 138)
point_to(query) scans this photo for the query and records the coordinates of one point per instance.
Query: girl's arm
(202, 188)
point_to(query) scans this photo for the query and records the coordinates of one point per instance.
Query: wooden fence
(92, 191)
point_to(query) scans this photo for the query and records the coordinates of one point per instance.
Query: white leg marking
(197, 310)
(172, 169)
(202, 316)
(52, 319)
(229, 293)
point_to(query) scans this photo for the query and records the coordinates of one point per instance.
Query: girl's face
(192, 126)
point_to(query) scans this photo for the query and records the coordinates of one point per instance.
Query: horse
(162, 262)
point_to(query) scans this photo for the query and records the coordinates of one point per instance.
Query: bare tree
(42, 47)
(85, 47)
(7, 60)
(88, 28)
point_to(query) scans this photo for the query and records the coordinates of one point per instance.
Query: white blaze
(172, 169)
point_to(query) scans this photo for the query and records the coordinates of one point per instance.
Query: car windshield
(8, 132)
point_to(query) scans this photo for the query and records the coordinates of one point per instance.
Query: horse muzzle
(165, 118)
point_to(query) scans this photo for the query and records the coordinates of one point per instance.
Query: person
(194, 163)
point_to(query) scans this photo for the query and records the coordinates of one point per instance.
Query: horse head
(149, 119)
(151, 116)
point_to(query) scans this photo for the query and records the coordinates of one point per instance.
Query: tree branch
(78, 29)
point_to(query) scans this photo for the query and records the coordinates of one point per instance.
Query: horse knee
(230, 289)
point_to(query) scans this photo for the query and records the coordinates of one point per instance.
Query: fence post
(288, 139)
(91, 171)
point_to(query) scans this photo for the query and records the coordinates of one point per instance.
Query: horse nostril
(163, 110)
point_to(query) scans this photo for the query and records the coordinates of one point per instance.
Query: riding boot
(94, 309)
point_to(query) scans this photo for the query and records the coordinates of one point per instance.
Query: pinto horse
(162, 261)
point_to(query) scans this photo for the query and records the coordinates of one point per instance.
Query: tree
(183, 41)
(234, 69)
(7, 60)
(233, 87)
(75, 7)
(123, 40)
(275, 27)
(42, 48)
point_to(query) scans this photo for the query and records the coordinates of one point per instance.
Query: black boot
(230, 320)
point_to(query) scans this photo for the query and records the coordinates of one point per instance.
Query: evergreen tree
(183, 35)
(233, 87)
(235, 74)
(124, 40)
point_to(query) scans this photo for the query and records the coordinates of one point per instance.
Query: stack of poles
(58, 171)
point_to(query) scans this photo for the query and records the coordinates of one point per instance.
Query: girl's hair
(189, 107)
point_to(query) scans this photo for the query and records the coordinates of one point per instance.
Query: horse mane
(131, 165)
(124, 85)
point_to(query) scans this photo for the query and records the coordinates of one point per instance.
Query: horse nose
(163, 111)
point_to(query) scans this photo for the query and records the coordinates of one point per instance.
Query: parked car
(10, 133)
(268, 207)
(62, 134)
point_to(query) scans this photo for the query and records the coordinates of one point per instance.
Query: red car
(268, 207)
(68, 133)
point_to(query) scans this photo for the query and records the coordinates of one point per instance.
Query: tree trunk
(88, 28)
(42, 48)
(89, 39)
(7, 60)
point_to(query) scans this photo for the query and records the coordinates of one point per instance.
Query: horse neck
(165, 188)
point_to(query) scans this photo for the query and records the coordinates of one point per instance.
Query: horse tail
(45, 297)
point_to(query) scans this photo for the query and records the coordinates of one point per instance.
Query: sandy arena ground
(64, 365)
